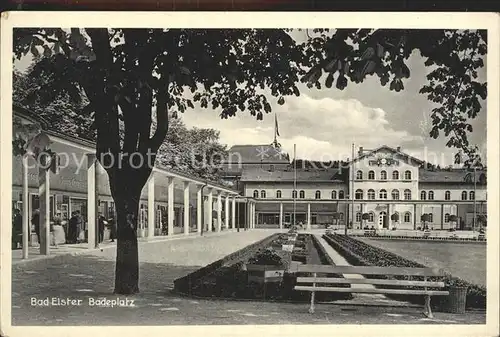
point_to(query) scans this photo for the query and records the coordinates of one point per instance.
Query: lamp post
(474, 218)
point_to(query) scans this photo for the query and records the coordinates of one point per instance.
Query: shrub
(266, 257)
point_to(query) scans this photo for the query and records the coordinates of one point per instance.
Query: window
(407, 175)
(431, 195)
(464, 195)
(341, 194)
(395, 194)
(407, 194)
(358, 195)
(358, 217)
(423, 195)
(407, 217)
(302, 194)
(359, 175)
(263, 194)
(471, 195)
(294, 194)
(371, 217)
(395, 175)
(447, 218)
(371, 195)
(383, 175)
(382, 194)
(278, 194)
(318, 195)
(447, 195)
(334, 194)
(255, 194)
(371, 175)
(431, 217)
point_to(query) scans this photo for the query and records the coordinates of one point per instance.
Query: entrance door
(382, 220)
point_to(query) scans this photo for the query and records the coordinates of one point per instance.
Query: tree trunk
(127, 254)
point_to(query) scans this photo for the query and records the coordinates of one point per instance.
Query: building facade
(391, 188)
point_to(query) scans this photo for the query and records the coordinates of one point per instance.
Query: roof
(449, 176)
(22, 112)
(27, 114)
(326, 175)
(256, 154)
(397, 154)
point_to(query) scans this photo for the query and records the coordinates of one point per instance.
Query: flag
(276, 125)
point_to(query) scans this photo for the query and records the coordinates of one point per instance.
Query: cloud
(323, 128)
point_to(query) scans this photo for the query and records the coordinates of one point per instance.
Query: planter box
(265, 273)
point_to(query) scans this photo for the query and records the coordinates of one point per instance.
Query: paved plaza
(91, 275)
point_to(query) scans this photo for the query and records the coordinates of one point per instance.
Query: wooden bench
(309, 283)
(370, 232)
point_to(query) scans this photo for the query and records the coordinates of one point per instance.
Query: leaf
(281, 100)
(34, 50)
(329, 80)
(330, 65)
(368, 53)
(47, 52)
(380, 50)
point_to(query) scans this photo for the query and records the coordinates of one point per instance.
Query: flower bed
(233, 281)
(359, 253)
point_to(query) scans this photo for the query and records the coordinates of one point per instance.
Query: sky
(325, 123)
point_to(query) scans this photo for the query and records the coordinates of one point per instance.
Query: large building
(379, 183)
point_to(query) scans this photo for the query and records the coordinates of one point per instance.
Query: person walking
(17, 229)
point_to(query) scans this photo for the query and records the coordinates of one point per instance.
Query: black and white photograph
(250, 170)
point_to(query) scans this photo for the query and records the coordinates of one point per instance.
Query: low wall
(185, 283)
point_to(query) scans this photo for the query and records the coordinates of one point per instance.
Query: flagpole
(351, 194)
(294, 193)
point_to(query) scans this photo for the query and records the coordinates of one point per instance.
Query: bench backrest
(369, 270)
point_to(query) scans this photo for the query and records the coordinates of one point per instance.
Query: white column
(186, 208)
(91, 201)
(219, 211)
(26, 215)
(170, 205)
(151, 205)
(199, 215)
(44, 197)
(233, 213)
(210, 209)
(226, 212)
(308, 216)
(253, 215)
(281, 215)
(250, 215)
(442, 216)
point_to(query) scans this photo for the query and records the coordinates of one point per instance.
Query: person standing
(79, 226)
(102, 224)
(35, 220)
(112, 225)
(72, 233)
(17, 229)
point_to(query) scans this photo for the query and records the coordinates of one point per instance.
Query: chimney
(398, 148)
(360, 151)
